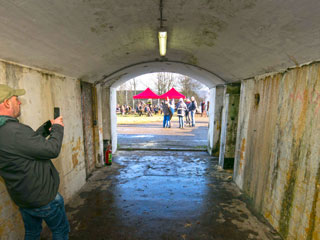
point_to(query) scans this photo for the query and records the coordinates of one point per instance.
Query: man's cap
(7, 92)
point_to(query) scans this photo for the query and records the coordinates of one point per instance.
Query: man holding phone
(30, 177)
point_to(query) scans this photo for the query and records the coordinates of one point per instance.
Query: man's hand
(58, 120)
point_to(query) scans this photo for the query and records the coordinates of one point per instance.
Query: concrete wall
(44, 92)
(277, 152)
(89, 121)
(113, 117)
(232, 122)
(229, 125)
(211, 120)
(106, 116)
(218, 106)
(99, 128)
(109, 118)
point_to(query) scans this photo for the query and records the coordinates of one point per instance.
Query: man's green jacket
(30, 177)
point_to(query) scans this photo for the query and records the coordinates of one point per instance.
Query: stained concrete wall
(218, 106)
(229, 125)
(113, 117)
(44, 92)
(97, 126)
(232, 122)
(106, 117)
(89, 121)
(109, 117)
(223, 134)
(211, 120)
(277, 153)
(99, 129)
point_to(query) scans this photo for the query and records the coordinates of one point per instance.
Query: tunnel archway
(140, 122)
(115, 79)
(206, 77)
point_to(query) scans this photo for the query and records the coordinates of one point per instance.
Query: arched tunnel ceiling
(204, 76)
(91, 39)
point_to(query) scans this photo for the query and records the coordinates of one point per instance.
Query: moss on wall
(281, 159)
(312, 220)
(232, 124)
(288, 197)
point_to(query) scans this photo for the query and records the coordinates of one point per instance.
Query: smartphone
(56, 112)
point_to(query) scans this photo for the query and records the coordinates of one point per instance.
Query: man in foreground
(30, 177)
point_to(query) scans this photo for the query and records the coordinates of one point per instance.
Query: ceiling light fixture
(162, 42)
(162, 34)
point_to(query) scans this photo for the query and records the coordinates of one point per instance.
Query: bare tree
(164, 82)
(189, 87)
(121, 97)
(133, 84)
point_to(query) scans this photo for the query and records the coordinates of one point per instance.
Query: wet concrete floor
(152, 195)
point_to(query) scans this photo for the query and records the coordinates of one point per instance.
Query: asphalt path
(154, 136)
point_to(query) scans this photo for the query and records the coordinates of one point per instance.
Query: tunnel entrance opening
(110, 82)
(141, 124)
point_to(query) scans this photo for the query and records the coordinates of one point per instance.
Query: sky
(148, 80)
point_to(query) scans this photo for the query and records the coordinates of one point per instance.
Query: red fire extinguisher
(108, 155)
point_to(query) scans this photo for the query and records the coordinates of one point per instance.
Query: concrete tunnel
(259, 59)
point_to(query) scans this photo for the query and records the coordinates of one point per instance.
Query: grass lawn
(136, 119)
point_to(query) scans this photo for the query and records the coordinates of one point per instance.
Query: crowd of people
(141, 108)
(185, 109)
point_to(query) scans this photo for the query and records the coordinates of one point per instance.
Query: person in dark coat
(31, 179)
(166, 112)
(192, 110)
(203, 108)
(187, 113)
(172, 108)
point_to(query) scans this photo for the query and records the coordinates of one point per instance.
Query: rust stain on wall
(75, 160)
(281, 151)
(78, 145)
(242, 151)
(75, 153)
(1, 230)
(302, 116)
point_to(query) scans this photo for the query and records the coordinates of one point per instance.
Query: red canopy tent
(146, 94)
(172, 93)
